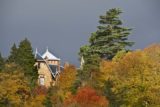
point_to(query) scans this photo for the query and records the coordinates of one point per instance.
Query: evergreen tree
(25, 59)
(110, 37)
(1, 62)
(13, 54)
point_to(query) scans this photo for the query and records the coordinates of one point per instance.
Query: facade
(48, 67)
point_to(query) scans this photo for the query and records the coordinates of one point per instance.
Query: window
(41, 80)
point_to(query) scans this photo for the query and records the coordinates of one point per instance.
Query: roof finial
(47, 49)
(36, 53)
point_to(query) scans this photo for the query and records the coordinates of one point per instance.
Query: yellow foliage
(36, 101)
(14, 89)
(106, 67)
(136, 76)
(67, 77)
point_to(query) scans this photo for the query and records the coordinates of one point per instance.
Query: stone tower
(48, 67)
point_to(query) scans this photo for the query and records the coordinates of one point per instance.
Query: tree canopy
(1, 62)
(13, 54)
(110, 37)
(133, 80)
(24, 57)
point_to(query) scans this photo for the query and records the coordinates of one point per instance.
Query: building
(48, 67)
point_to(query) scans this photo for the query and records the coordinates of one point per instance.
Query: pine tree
(110, 37)
(25, 59)
(13, 54)
(1, 62)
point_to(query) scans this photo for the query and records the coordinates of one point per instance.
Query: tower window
(41, 80)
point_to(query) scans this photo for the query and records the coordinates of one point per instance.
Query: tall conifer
(13, 54)
(110, 37)
(1, 62)
(26, 59)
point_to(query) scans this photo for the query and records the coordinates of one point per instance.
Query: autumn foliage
(40, 90)
(14, 88)
(130, 79)
(133, 80)
(67, 77)
(86, 97)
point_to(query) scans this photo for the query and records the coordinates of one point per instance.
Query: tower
(48, 67)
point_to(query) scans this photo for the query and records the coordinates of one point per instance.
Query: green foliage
(26, 57)
(75, 86)
(119, 55)
(1, 62)
(53, 98)
(23, 56)
(47, 102)
(13, 54)
(87, 75)
(110, 37)
(110, 94)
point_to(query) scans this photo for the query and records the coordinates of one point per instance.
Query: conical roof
(49, 56)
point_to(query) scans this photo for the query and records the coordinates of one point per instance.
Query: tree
(67, 77)
(14, 87)
(132, 80)
(86, 97)
(110, 37)
(1, 62)
(35, 101)
(25, 59)
(13, 54)
(37, 98)
(90, 68)
(25, 56)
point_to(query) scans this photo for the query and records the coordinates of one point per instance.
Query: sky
(65, 25)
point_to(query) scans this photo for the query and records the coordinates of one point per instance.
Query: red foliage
(40, 90)
(87, 97)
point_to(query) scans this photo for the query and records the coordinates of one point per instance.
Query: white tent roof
(49, 55)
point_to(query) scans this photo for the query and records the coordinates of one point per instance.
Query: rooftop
(47, 55)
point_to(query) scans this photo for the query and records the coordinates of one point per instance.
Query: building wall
(43, 71)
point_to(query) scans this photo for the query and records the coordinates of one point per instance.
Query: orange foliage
(86, 97)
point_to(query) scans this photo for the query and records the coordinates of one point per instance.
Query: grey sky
(65, 25)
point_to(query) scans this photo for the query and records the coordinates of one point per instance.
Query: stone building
(48, 67)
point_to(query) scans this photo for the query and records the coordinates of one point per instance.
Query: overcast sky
(65, 25)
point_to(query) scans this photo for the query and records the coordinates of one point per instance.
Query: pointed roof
(49, 55)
